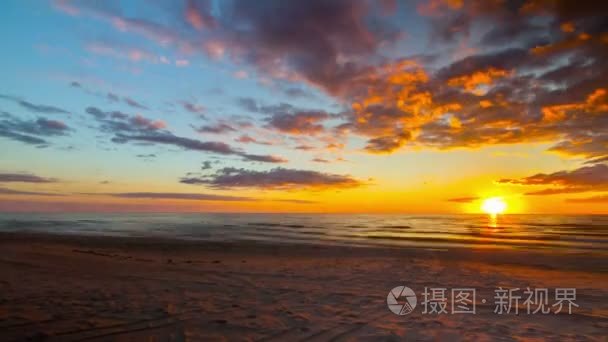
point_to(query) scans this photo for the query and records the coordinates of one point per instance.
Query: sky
(304, 106)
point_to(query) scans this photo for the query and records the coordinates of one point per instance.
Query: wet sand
(73, 288)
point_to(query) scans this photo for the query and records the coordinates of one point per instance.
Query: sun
(494, 206)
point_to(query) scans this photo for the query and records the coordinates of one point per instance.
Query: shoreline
(594, 261)
(70, 287)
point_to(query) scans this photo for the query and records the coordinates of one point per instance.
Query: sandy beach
(72, 288)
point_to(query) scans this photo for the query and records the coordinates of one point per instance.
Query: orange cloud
(596, 102)
(472, 82)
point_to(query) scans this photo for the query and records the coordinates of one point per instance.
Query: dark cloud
(320, 160)
(5, 191)
(451, 27)
(119, 122)
(126, 100)
(146, 156)
(186, 143)
(246, 139)
(129, 101)
(386, 144)
(31, 131)
(38, 108)
(193, 197)
(516, 29)
(220, 128)
(463, 199)
(597, 160)
(113, 97)
(593, 199)
(24, 178)
(193, 145)
(584, 179)
(278, 178)
(264, 158)
(286, 118)
(305, 147)
(193, 107)
(206, 165)
(26, 139)
(100, 114)
(536, 74)
(295, 93)
(248, 104)
(180, 196)
(300, 122)
(317, 40)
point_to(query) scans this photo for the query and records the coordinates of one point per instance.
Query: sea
(564, 232)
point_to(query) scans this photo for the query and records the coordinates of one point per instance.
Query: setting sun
(494, 206)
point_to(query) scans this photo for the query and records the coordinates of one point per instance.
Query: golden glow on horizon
(494, 206)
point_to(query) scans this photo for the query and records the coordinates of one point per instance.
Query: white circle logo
(401, 300)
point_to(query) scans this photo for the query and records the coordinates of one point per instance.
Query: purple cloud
(278, 178)
(24, 178)
(195, 145)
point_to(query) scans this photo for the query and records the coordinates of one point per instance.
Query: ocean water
(576, 232)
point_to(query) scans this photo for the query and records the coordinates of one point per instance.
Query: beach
(69, 287)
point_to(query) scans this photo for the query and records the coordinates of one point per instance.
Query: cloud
(186, 143)
(220, 128)
(485, 98)
(240, 74)
(248, 104)
(182, 63)
(31, 131)
(305, 147)
(316, 41)
(122, 51)
(463, 199)
(597, 160)
(278, 178)
(113, 15)
(5, 191)
(24, 178)
(206, 165)
(584, 179)
(129, 101)
(119, 122)
(180, 196)
(189, 197)
(112, 96)
(520, 78)
(140, 129)
(37, 108)
(320, 160)
(300, 122)
(194, 145)
(593, 199)
(197, 14)
(26, 139)
(264, 158)
(246, 139)
(193, 107)
(387, 144)
(146, 156)
(297, 92)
